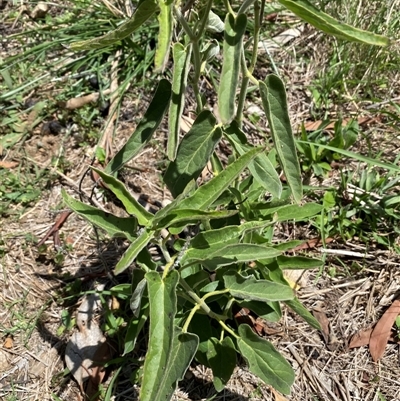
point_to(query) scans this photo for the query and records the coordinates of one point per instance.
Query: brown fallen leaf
(314, 125)
(310, 244)
(277, 396)
(7, 164)
(363, 336)
(61, 219)
(381, 332)
(324, 322)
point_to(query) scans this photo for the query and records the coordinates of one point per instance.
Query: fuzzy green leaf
(142, 13)
(300, 309)
(132, 206)
(194, 152)
(264, 360)
(324, 22)
(273, 97)
(165, 22)
(132, 252)
(232, 50)
(251, 289)
(144, 131)
(298, 262)
(113, 225)
(170, 351)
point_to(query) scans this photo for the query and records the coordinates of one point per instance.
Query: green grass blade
(132, 252)
(251, 289)
(264, 360)
(170, 351)
(113, 225)
(233, 39)
(273, 97)
(143, 12)
(194, 152)
(165, 22)
(204, 196)
(324, 22)
(261, 168)
(181, 56)
(132, 206)
(144, 131)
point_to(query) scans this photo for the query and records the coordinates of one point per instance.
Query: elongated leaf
(132, 206)
(194, 152)
(308, 12)
(147, 126)
(292, 212)
(181, 56)
(222, 256)
(189, 216)
(113, 225)
(221, 356)
(170, 351)
(264, 360)
(142, 13)
(270, 311)
(298, 262)
(205, 195)
(165, 23)
(134, 328)
(273, 97)
(249, 288)
(301, 310)
(132, 252)
(233, 39)
(261, 167)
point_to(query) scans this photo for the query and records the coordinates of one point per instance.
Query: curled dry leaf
(324, 322)
(381, 332)
(277, 396)
(7, 164)
(88, 350)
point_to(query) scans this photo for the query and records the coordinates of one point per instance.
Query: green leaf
(251, 289)
(232, 50)
(221, 356)
(298, 213)
(134, 328)
(132, 252)
(194, 152)
(189, 216)
(165, 22)
(270, 311)
(273, 97)
(143, 12)
(170, 351)
(324, 22)
(205, 195)
(147, 126)
(300, 309)
(214, 23)
(261, 168)
(181, 57)
(113, 225)
(264, 360)
(298, 262)
(132, 206)
(222, 256)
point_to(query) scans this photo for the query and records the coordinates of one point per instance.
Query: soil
(351, 293)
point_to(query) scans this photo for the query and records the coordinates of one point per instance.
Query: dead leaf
(277, 396)
(87, 349)
(8, 343)
(310, 244)
(314, 125)
(381, 332)
(363, 336)
(7, 164)
(324, 322)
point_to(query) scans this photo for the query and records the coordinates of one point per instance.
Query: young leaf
(261, 168)
(273, 97)
(132, 252)
(221, 356)
(233, 38)
(301, 310)
(251, 289)
(170, 351)
(143, 12)
(132, 206)
(264, 360)
(147, 126)
(113, 225)
(181, 56)
(194, 152)
(298, 262)
(204, 196)
(165, 22)
(324, 22)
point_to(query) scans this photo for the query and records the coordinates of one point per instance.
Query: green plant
(216, 238)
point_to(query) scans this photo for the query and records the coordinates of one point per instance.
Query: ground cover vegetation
(215, 248)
